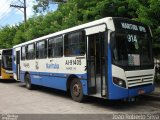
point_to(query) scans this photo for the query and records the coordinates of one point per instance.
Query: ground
(16, 99)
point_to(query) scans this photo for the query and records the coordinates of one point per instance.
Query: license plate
(141, 91)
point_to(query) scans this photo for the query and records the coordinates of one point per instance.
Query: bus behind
(6, 64)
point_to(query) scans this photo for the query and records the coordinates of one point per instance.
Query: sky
(12, 16)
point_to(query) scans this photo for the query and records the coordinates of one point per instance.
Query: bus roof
(5, 49)
(86, 25)
(90, 24)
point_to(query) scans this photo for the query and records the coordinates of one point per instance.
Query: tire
(29, 86)
(76, 90)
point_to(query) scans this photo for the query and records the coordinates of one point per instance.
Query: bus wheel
(76, 90)
(28, 82)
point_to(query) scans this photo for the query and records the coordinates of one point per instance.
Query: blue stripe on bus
(54, 80)
(51, 74)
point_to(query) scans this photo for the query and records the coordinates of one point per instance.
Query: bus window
(30, 51)
(74, 44)
(55, 47)
(41, 49)
(23, 53)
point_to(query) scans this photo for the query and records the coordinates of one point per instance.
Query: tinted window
(74, 44)
(23, 53)
(41, 49)
(131, 49)
(55, 47)
(30, 51)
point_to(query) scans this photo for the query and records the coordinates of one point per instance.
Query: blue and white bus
(108, 58)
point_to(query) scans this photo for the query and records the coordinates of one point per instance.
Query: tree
(75, 12)
(43, 5)
(7, 35)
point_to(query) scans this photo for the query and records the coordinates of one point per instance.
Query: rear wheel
(28, 82)
(76, 90)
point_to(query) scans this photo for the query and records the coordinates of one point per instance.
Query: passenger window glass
(23, 53)
(30, 52)
(41, 49)
(74, 44)
(55, 47)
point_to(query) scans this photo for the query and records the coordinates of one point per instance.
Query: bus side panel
(35, 78)
(115, 92)
(84, 85)
(58, 81)
(13, 64)
(54, 82)
(22, 76)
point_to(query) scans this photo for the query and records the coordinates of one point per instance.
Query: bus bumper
(140, 90)
(6, 75)
(122, 93)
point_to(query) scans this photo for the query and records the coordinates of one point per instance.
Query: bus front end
(6, 64)
(130, 61)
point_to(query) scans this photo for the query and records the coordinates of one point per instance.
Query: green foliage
(75, 12)
(43, 5)
(7, 34)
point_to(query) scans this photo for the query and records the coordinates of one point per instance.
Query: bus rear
(131, 60)
(6, 64)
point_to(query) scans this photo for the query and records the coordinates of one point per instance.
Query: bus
(6, 64)
(108, 58)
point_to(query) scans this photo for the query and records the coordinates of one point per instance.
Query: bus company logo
(37, 66)
(52, 66)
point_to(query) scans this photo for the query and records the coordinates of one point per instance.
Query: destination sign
(126, 24)
(129, 26)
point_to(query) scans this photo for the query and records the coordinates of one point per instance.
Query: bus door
(96, 64)
(18, 65)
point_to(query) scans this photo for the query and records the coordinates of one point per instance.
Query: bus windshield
(7, 61)
(132, 49)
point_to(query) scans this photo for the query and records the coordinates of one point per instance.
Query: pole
(24, 7)
(25, 13)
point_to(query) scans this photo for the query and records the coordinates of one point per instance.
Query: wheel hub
(76, 90)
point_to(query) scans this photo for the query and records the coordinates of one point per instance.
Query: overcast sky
(12, 16)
